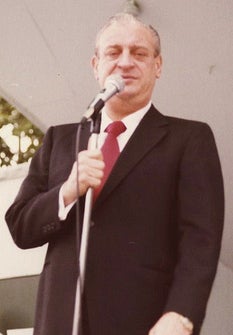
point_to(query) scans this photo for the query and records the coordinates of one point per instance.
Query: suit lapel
(151, 130)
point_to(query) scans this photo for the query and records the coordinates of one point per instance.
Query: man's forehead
(118, 28)
(119, 35)
(133, 45)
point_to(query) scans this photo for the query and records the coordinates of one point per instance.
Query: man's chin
(127, 93)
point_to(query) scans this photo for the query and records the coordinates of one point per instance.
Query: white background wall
(15, 262)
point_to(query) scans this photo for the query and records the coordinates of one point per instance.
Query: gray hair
(128, 18)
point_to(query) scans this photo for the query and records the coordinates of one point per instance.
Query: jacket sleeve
(200, 223)
(33, 217)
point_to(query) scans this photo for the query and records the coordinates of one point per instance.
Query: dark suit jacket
(155, 234)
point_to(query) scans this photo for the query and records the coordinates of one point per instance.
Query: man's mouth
(127, 77)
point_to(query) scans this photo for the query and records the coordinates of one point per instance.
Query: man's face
(128, 50)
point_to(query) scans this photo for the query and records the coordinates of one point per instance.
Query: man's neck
(118, 109)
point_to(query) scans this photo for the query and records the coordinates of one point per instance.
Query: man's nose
(125, 59)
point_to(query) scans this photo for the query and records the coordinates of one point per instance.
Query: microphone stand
(77, 319)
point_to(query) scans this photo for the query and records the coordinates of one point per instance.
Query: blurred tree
(5, 153)
(29, 136)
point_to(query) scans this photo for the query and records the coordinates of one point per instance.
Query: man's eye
(113, 53)
(140, 54)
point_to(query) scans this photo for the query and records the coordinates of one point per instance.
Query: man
(157, 222)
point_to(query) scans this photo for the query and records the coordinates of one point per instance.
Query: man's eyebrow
(133, 46)
(113, 46)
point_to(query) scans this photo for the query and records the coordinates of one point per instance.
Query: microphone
(113, 85)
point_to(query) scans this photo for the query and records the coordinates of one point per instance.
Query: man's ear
(94, 64)
(158, 66)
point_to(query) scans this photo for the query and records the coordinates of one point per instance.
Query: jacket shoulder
(180, 125)
(181, 122)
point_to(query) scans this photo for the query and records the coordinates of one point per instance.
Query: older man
(157, 220)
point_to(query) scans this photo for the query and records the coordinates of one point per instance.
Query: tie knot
(115, 128)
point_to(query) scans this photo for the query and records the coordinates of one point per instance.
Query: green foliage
(29, 137)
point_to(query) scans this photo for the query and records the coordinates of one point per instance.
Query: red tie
(110, 150)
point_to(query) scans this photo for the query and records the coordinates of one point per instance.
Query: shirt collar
(130, 121)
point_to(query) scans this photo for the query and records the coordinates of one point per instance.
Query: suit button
(92, 223)
(52, 226)
(45, 229)
(49, 227)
